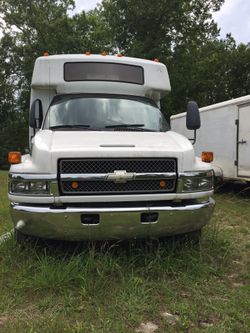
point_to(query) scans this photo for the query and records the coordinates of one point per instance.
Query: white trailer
(225, 131)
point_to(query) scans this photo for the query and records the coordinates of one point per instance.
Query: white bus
(103, 162)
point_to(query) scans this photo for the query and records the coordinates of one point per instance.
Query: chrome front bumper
(114, 223)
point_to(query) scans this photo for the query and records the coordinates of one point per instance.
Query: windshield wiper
(124, 125)
(69, 126)
(134, 127)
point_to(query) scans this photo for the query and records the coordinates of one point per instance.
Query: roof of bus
(49, 74)
(102, 58)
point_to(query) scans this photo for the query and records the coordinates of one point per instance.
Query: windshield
(104, 113)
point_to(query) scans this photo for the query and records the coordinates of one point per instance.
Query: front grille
(102, 187)
(106, 166)
(110, 165)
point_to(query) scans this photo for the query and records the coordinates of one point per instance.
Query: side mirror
(193, 121)
(36, 114)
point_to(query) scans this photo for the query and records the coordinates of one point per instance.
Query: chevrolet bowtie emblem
(120, 176)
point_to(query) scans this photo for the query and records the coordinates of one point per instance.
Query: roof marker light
(157, 60)
(45, 53)
(119, 55)
(104, 53)
(88, 53)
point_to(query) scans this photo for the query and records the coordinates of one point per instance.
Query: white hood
(49, 146)
(80, 141)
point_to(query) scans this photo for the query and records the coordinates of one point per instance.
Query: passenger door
(244, 141)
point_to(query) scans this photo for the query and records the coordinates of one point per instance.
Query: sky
(86, 4)
(234, 17)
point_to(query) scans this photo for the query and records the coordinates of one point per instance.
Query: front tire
(21, 238)
(193, 237)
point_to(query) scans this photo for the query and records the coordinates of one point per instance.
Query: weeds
(104, 287)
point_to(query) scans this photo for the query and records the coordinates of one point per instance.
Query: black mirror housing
(193, 121)
(36, 114)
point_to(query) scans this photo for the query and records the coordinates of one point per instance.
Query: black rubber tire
(193, 237)
(21, 238)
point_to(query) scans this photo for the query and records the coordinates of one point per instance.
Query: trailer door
(244, 141)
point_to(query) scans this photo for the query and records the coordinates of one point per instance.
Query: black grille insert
(145, 165)
(102, 187)
(105, 166)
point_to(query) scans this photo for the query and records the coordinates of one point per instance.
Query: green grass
(114, 288)
(5, 223)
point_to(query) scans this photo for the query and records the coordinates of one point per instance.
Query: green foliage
(13, 130)
(185, 37)
(148, 29)
(32, 27)
(212, 73)
(181, 33)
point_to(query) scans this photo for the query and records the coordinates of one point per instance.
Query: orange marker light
(119, 55)
(157, 60)
(74, 185)
(104, 53)
(46, 53)
(88, 53)
(163, 183)
(207, 156)
(14, 157)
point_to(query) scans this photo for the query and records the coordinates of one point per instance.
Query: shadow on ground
(173, 244)
(241, 189)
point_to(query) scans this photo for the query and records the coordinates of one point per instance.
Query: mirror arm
(194, 138)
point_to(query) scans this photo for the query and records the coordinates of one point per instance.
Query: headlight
(29, 187)
(197, 181)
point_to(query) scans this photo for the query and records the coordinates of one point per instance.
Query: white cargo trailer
(225, 131)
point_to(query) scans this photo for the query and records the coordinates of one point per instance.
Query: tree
(201, 73)
(148, 29)
(28, 32)
(173, 30)
(214, 72)
(181, 33)
(239, 83)
(13, 130)
(30, 28)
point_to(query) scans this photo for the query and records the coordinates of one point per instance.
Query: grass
(114, 288)
(5, 222)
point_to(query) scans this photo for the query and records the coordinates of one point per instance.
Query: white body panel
(49, 146)
(157, 200)
(223, 127)
(48, 79)
(102, 206)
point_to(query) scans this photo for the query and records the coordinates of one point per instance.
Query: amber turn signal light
(207, 156)
(163, 184)
(14, 157)
(74, 185)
